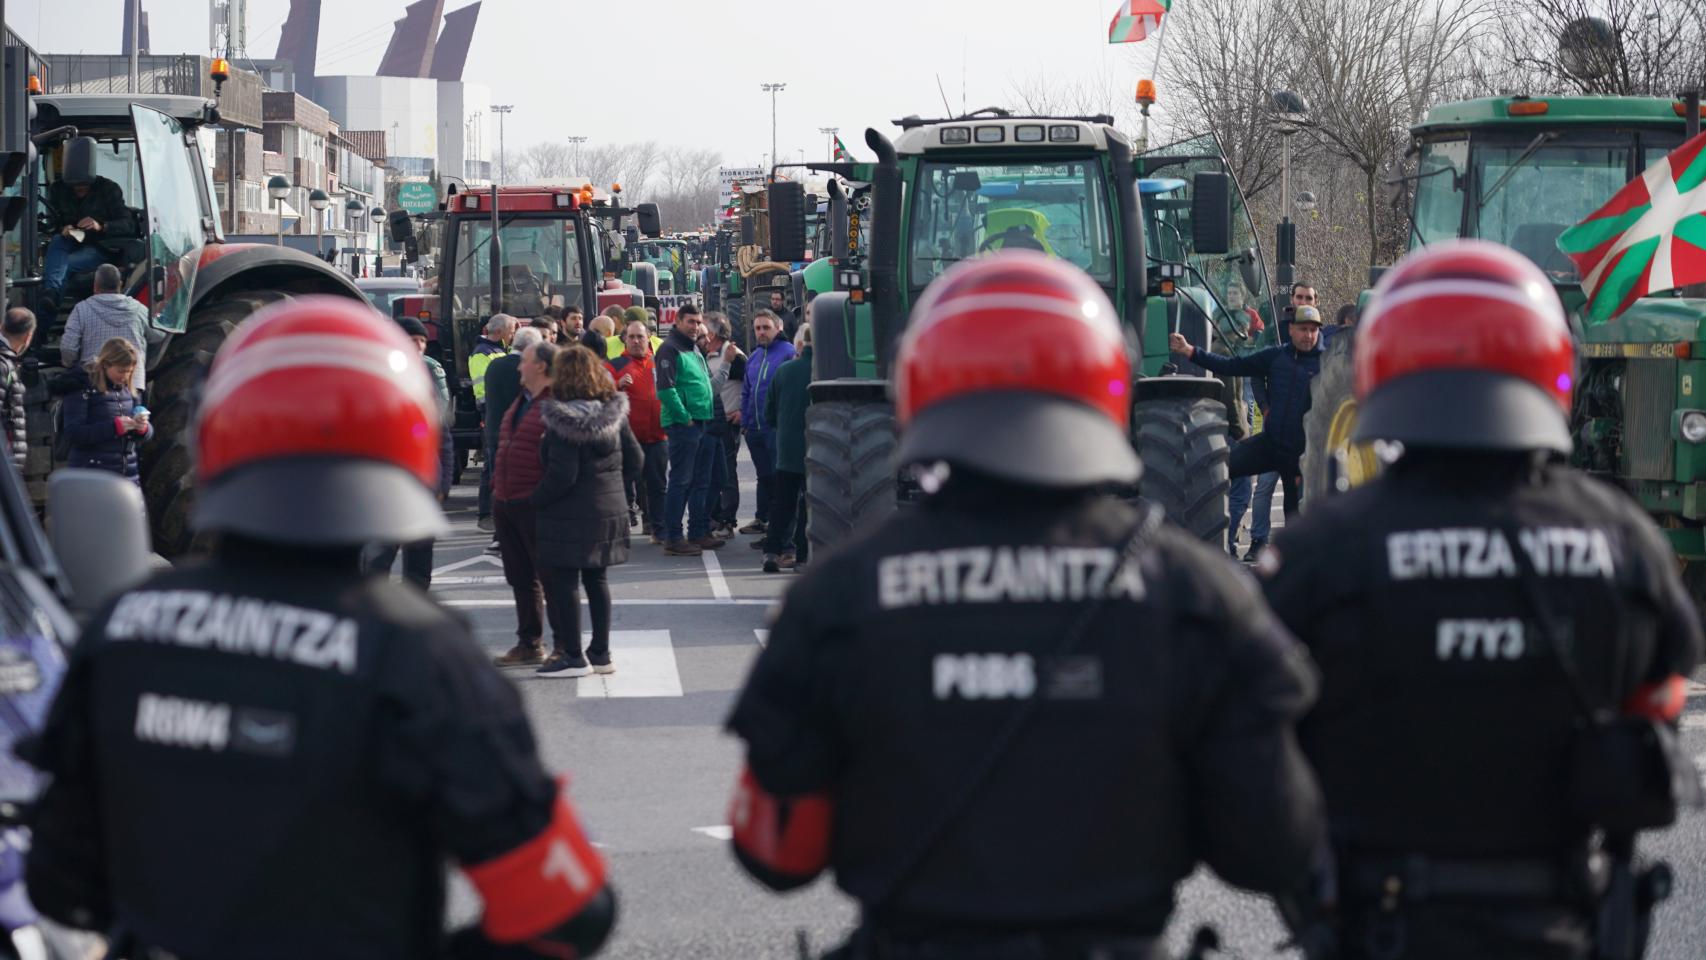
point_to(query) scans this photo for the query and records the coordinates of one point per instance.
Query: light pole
(278, 188)
(773, 89)
(830, 132)
(502, 110)
(378, 216)
(353, 209)
(575, 157)
(1291, 114)
(318, 199)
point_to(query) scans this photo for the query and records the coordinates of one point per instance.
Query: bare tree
(1051, 95)
(1638, 47)
(1226, 59)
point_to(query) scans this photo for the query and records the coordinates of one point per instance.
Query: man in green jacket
(785, 409)
(684, 394)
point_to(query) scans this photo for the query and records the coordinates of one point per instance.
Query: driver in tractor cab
(87, 220)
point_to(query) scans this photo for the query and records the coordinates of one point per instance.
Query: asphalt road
(651, 770)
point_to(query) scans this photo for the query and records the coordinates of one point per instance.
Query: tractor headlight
(1691, 425)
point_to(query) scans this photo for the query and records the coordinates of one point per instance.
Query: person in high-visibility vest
(494, 343)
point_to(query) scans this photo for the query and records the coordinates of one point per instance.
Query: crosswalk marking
(723, 832)
(763, 636)
(714, 573)
(645, 667)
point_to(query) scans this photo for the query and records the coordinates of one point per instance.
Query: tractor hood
(1662, 321)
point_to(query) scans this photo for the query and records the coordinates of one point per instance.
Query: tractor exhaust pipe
(886, 319)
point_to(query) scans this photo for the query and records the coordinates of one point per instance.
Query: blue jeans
(65, 257)
(691, 461)
(1238, 500)
(762, 445)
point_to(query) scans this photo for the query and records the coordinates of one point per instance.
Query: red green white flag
(1651, 236)
(1136, 19)
(841, 150)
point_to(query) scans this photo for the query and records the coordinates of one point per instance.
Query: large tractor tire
(1331, 462)
(735, 309)
(174, 388)
(1183, 444)
(850, 469)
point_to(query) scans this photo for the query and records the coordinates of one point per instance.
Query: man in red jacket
(635, 376)
(515, 472)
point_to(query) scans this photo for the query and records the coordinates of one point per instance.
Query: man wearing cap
(271, 755)
(87, 219)
(970, 664)
(1503, 640)
(1284, 373)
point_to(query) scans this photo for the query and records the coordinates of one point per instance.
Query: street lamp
(1290, 114)
(576, 142)
(353, 209)
(773, 89)
(1305, 201)
(378, 216)
(318, 199)
(830, 132)
(278, 188)
(502, 110)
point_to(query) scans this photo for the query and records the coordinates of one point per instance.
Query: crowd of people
(594, 430)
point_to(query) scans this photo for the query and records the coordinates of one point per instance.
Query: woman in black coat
(101, 418)
(589, 454)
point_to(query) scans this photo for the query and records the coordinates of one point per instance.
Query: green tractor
(1519, 171)
(950, 190)
(674, 282)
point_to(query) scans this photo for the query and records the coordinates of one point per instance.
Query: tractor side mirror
(99, 531)
(1211, 212)
(402, 227)
(787, 221)
(411, 249)
(646, 214)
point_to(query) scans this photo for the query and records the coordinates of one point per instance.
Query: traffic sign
(417, 198)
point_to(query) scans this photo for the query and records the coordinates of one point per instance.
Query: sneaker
(756, 526)
(709, 543)
(633, 518)
(493, 548)
(560, 664)
(521, 655)
(682, 548)
(601, 662)
(772, 564)
(787, 560)
(486, 523)
(725, 531)
(1255, 551)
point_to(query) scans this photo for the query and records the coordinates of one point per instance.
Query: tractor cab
(148, 147)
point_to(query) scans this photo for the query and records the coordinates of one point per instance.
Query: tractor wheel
(850, 470)
(174, 388)
(1331, 462)
(735, 309)
(1182, 442)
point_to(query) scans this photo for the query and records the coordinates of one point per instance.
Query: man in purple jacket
(767, 357)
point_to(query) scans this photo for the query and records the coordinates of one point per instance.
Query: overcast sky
(679, 71)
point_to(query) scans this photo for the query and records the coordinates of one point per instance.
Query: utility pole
(830, 132)
(773, 89)
(502, 110)
(575, 156)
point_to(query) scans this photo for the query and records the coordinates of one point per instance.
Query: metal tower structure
(228, 28)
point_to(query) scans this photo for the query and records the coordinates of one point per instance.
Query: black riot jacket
(1163, 740)
(1446, 718)
(272, 757)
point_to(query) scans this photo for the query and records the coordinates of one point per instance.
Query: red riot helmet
(319, 426)
(1014, 365)
(1465, 346)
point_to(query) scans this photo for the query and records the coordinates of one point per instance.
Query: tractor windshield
(961, 210)
(665, 256)
(540, 261)
(1524, 189)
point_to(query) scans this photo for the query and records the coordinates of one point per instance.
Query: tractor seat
(1017, 228)
(133, 252)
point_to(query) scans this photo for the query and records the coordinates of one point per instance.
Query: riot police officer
(1012, 719)
(271, 755)
(1500, 637)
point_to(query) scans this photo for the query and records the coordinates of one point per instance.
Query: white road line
(716, 833)
(763, 636)
(622, 602)
(471, 561)
(714, 572)
(645, 667)
(439, 581)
